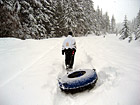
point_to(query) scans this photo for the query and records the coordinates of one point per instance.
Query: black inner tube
(76, 74)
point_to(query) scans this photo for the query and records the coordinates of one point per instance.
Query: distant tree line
(38, 19)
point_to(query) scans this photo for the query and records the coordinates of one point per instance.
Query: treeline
(38, 19)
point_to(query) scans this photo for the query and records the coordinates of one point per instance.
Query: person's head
(70, 33)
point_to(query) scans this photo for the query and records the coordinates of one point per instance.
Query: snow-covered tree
(125, 31)
(9, 22)
(137, 33)
(107, 22)
(34, 18)
(137, 27)
(99, 21)
(75, 15)
(64, 17)
(102, 22)
(80, 18)
(89, 16)
(113, 25)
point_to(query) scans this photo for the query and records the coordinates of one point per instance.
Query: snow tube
(78, 81)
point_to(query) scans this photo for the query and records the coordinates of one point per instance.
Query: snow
(29, 71)
(38, 3)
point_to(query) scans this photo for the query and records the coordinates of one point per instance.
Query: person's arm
(74, 47)
(74, 44)
(63, 49)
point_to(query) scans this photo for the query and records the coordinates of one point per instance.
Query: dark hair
(70, 33)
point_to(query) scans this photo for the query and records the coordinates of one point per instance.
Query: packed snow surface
(29, 71)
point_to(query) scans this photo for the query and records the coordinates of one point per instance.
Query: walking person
(69, 49)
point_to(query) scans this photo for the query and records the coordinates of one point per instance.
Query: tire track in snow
(29, 66)
(86, 59)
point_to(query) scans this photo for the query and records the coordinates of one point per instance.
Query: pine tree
(89, 16)
(113, 25)
(137, 30)
(9, 21)
(72, 14)
(100, 25)
(57, 19)
(34, 16)
(107, 22)
(102, 22)
(125, 32)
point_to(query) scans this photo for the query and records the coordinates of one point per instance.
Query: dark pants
(69, 58)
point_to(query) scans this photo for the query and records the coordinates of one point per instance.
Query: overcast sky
(119, 8)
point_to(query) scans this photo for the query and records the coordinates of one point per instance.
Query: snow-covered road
(29, 71)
